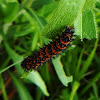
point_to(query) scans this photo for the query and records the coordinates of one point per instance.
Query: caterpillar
(48, 51)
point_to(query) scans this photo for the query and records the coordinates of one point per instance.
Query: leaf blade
(60, 72)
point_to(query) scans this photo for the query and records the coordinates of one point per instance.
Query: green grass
(26, 25)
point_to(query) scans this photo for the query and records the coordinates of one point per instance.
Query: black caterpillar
(48, 51)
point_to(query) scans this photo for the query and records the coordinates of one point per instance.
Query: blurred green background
(26, 25)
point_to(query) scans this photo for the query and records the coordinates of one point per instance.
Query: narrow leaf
(97, 77)
(2, 86)
(23, 92)
(74, 89)
(88, 61)
(60, 72)
(35, 78)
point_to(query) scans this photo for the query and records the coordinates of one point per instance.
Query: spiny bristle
(49, 51)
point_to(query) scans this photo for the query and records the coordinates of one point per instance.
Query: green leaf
(89, 4)
(33, 18)
(74, 89)
(23, 92)
(85, 24)
(36, 18)
(44, 12)
(89, 27)
(25, 32)
(97, 77)
(95, 90)
(13, 55)
(38, 94)
(2, 87)
(35, 78)
(98, 4)
(88, 61)
(34, 41)
(6, 68)
(8, 11)
(37, 4)
(60, 72)
(65, 14)
(79, 64)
